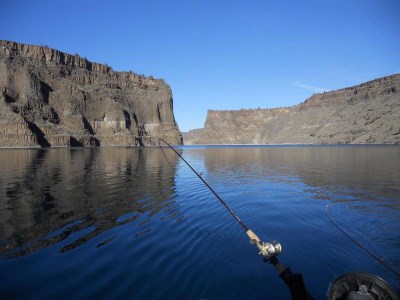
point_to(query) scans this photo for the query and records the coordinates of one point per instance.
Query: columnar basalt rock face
(367, 113)
(65, 100)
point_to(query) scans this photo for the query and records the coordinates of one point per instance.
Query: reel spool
(360, 286)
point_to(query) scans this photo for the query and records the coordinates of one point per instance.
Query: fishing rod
(349, 286)
(269, 251)
(374, 256)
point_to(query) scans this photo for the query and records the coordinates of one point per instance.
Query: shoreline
(200, 145)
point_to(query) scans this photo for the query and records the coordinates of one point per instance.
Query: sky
(221, 55)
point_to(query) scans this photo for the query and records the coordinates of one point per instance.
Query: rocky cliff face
(367, 113)
(50, 98)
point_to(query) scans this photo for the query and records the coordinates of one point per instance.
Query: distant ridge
(368, 113)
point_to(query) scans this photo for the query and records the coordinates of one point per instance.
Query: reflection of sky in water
(362, 182)
(130, 225)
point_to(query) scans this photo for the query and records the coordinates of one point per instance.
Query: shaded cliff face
(50, 98)
(367, 113)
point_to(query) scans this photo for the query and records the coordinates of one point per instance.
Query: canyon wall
(362, 114)
(51, 98)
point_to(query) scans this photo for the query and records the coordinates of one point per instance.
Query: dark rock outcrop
(50, 98)
(367, 113)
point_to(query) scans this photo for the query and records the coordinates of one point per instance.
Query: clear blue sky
(221, 54)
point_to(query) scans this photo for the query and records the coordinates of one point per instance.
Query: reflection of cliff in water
(47, 195)
(374, 169)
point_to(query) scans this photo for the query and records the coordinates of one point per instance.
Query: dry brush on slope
(364, 114)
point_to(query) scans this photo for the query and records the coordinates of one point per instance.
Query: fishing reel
(269, 250)
(360, 286)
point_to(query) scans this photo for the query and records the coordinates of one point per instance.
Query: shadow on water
(51, 195)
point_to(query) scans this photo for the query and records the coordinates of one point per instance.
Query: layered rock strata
(51, 98)
(362, 114)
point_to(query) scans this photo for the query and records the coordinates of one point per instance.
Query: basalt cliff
(364, 114)
(51, 98)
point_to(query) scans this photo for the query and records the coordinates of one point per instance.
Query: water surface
(129, 223)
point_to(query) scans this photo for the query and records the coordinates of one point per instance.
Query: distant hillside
(363, 114)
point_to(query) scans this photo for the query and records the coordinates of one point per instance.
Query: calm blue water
(124, 223)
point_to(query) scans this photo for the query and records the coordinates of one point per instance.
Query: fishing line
(294, 281)
(269, 251)
(375, 257)
(205, 182)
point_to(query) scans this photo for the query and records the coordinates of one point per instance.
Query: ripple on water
(121, 223)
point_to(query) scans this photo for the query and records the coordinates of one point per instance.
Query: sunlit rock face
(364, 114)
(51, 98)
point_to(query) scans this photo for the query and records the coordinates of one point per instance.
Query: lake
(130, 223)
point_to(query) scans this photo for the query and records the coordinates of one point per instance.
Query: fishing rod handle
(253, 237)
